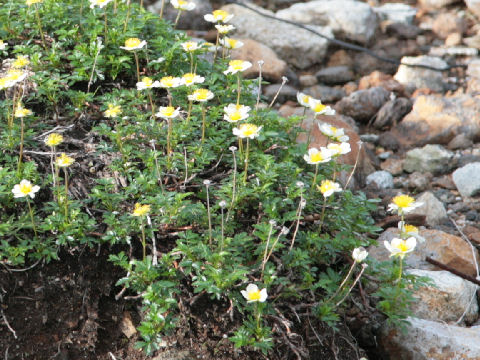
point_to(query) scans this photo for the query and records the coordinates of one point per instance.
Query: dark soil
(66, 310)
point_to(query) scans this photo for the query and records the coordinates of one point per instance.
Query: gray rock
(396, 12)
(362, 105)
(392, 112)
(419, 77)
(335, 75)
(431, 158)
(461, 141)
(448, 298)
(381, 179)
(325, 93)
(191, 20)
(432, 208)
(473, 69)
(474, 7)
(351, 19)
(287, 93)
(286, 40)
(418, 181)
(436, 4)
(307, 80)
(430, 340)
(393, 165)
(467, 179)
(370, 138)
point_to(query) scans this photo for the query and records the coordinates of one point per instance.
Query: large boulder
(448, 299)
(432, 208)
(430, 340)
(353, 20)
(288, 41)
(437, 120)
(445, 248)
(467, 179)
(190, 20)
(430, 158)
(362, 105)
(419, 77)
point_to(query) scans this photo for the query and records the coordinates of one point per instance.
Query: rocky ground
(413, 130)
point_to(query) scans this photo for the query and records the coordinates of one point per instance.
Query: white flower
(190, 46)
(339, 149)
(319, 108)
(224, 29)
(399, 247)
(316, 156)
(189, 79)
(147, 83)
(333, 133)
(250, 131)
(170, 82)
(25, 188)
(407, 230)
(304, 99)
(158, 61)
(359, 254)
(218, 16)
(230, 43)
(201, 95)
(403, 204)
(183, 5)
(328, 187)
(133, 44)
(3, 45)
(99, 3)
(168, 112)
(235, 113)
(235, 66)
(253, 294)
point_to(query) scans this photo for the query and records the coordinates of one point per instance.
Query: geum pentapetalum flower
(31, 2)
(402, 204)
(190, 79)
(64, 160)
(190, 46)
(250, 131)
(13, 77)
(133, 44)
(183, 5)
(230, 43)
(201, 95)
(320, 109)
(236, 66)
(328, 187)
(359, 254)
(400, 247)
(235, 113)
(339, 149)
(21, 112)
(168, 112)
(218, 16)
(253, 294)
(140, 210)
(99, 3)
(407, 230)
(332, 132)
(170, 82)
(224, 29)
(53, 139)
(3, 45)
(25, 188)
(147, 83)
(316, 156)
(112, 111)
(20, 62)
(304, 99)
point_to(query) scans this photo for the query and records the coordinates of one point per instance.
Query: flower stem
(314, 182)
(169, 136)
(161, 9)
(106, 27)
(151, 103)
(144, 241)
(190, 104)
(66, 194)
(54, 178)
(223, 231)
(216, 47)
(31, 217)
(299, 215)
(178, 18)
(246, 160)
(39, 23)
(266, 250)
(138, 66)
(203, 122)
(191, 62)
(239, 89)
(364, 266)
(343, 282)
(322, 216)
(20, 156)
(234, 184)
(209, 218)
(126, 18)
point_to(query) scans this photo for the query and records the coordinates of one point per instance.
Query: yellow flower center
(147, 81)
(319, 107)
(13, 75)
(64, 160)
(403, 247)
(132, 42)
(113, 110)
(236, 116)
(26, 188)
(31, 2)
(410, 229)
(236, 64)
(306, 99)
(168, 111)
(254, 295)
(201, 94)
(220, 14)
(326, 186)
(316, 157)
(168, 81)
(403, 201)
(189, 78)
(20, 62)
(182, 2)
(232, 42)
(141, 210)
(54, 139)
(249, 129)
(22, 112)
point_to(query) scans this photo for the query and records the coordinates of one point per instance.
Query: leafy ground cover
(144, 170)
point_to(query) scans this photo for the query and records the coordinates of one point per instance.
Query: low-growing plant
(204, 188)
